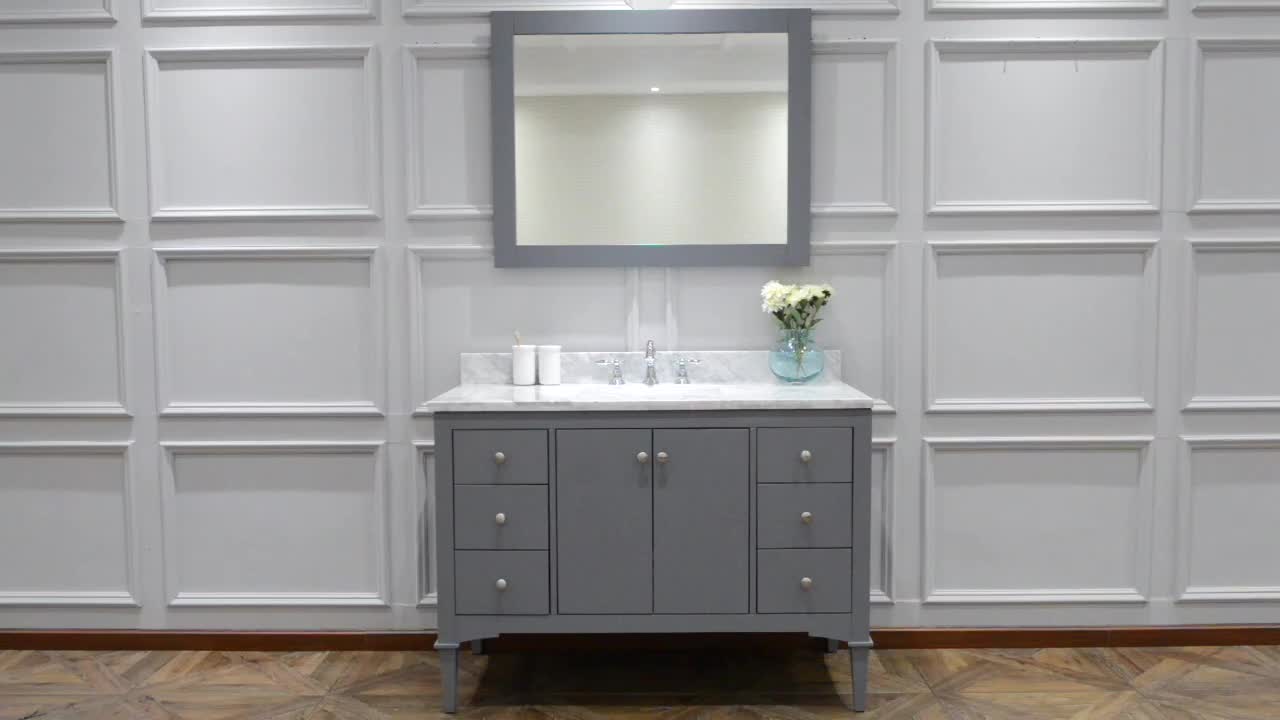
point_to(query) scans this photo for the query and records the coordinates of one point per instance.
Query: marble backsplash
(714, 367)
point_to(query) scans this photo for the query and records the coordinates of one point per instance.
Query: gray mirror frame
(505, 25)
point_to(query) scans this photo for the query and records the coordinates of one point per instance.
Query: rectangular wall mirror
(628, 138)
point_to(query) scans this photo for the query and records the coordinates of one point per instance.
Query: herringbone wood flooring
(1233, 683)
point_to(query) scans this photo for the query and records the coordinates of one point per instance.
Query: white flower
(774, 294)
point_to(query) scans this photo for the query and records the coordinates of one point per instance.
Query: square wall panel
(1233, 345)
(1036, 520)
(719, 309)
(856, 171)
(287, 132)
(1236, 153)
(1041, 326)
(468, 305)
(60, 320)
(46, 11)
(58, 122)
(269, 331)
(64, 525)
(275, 524)
(1044, 126)
(256, 9)
(448, 132)
(1231, 489)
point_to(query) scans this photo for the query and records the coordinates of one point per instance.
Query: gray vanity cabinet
(653, 521)
(604, 513)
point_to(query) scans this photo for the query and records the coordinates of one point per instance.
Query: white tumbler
(548, 364)
(523, 371)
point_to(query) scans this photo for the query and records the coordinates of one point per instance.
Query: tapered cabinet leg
(859, 659)
(448, 676)
(477, 647)
(833, 645)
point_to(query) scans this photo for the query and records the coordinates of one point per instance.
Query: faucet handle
(682, 369)
(615, 370)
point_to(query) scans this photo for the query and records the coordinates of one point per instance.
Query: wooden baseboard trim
(885, 639)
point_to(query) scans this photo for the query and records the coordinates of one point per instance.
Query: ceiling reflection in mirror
(651, 139)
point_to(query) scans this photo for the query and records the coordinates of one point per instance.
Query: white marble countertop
(826, 395)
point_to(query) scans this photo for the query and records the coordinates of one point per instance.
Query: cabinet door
(604, 521)
(701, 509)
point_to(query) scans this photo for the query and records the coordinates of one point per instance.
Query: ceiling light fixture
(655, 89)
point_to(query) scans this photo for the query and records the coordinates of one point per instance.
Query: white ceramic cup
(548, 364)
(523, 371)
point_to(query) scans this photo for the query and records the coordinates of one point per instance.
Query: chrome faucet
(650, 365)
(615, 370)
(682, 369)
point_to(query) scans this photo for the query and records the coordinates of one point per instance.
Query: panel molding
(1193, 401)
(1186, 592)
(119, 408)
(418, 254)
(350, 10)
(434, 8)
(1200, 49)
(106, 56)
(1148, 332)
(176, 597)
(100, 14)
(888, 502)
(1137, 594)
(1150, 203)
(127, 597)
(1223, 6)
(888, 207)
(416, 180)
(889, 313)
(1045, 6)
(367, 54)
(424, 452)
(164, 355)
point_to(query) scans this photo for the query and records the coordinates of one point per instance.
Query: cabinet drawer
(782, 589)
(805, 516)
(500, 517)
(805, 455)
(500, 457)
(501, 582)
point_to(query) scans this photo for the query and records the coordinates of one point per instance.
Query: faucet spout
(650, 365)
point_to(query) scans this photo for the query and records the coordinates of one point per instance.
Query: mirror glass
(651, 139)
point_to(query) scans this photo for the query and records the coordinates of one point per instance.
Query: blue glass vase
(796, 358)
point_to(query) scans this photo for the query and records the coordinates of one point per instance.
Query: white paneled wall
(242, 242)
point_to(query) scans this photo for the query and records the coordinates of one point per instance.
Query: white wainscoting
(1228, 352)
(66, 524)
(1037, 519)
(1053, 230)
(160, 10)
(1044, 126)
(315, 345)
(1081, 335)
(1228, 489)
(1235, 149)
(296, 128)
(78, 182)
(56, 11)
(57, 308)
(275, 523)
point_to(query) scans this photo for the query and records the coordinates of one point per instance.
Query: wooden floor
(1129, 684)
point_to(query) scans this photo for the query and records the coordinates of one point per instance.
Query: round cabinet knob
(642, 457)
(501, 584)
(805, 456)
(663, 457)
(805, 583)
(501, 518)
(806, 517)
(499, 457)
